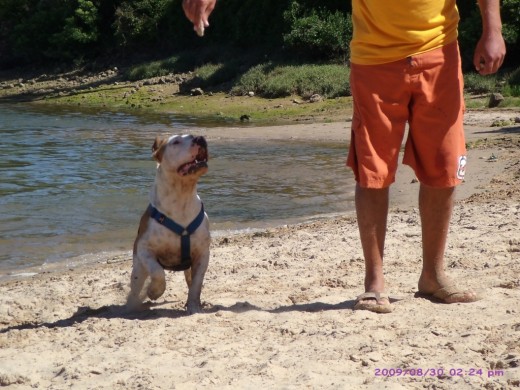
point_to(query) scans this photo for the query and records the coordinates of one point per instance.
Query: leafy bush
(136, 22)
(514, 78)
(79, 32)
(512, 87)
(318, 33)
(48, 31)
(251, 81)
(304, 80)
(151, 69)
(475, 83)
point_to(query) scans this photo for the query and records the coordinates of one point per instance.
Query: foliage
(80, 30)
(318, 32)
(475, 83)
(305, 80)
(46, 32)
(509, 85)
(137, 22)
(512, 86)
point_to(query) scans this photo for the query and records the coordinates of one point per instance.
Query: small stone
(495, 99)
(315, 98)
(197, 92)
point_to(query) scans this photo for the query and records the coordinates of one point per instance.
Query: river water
(73, 184)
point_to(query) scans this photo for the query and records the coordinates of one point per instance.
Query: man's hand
(491, 48)
(198, 11)
(489, 53)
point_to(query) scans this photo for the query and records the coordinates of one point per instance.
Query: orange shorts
(425, 90)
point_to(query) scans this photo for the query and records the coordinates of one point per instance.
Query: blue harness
(183, 232)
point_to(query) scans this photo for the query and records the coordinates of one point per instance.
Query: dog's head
(185, 155)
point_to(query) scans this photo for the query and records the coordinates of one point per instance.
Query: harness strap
(183, 232)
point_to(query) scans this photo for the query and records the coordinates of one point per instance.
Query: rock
(250, 94)
(245, 118)
(495, 99)
(197, 92)
(315, 98)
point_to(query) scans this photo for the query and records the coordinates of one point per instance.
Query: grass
(281, 90)
(220, 106)
(268, 80)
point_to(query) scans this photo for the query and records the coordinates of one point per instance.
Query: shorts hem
(375, 184)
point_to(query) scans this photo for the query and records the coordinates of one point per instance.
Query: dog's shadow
(153, 311)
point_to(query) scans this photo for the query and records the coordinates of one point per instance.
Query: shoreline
(404, 192)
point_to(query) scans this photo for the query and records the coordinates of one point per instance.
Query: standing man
(405, 68)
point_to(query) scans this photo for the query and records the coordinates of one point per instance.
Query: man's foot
(374, 302)
(450, 294)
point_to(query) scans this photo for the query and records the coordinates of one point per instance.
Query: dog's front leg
(152, 268)
(137, 279)
(157, 284)
(198, 270)
(187, 276)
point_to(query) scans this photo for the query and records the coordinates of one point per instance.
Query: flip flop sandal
(375, 307)
(451, 292)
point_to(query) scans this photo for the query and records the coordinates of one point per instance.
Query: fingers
(486, 66)
(489, 65)
(489, 55)
(198, 11)
(189, 8)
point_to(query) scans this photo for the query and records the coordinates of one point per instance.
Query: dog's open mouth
(200, 161)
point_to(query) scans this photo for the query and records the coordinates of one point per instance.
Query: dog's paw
(193, 308)
(156, 289)
(134, 304)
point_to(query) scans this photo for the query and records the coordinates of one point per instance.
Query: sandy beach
(278, 303)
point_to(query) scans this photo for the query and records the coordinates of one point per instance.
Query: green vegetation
(508, 84)
(329, 81)
(74, 32)
(274, 48)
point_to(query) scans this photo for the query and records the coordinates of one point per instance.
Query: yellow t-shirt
(390, 30)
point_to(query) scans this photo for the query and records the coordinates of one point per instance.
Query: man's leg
(372, 212)
(436, 206)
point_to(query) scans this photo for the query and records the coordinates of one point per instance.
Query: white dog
(174, 230)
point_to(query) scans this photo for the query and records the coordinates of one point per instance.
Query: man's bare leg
(436, 206)
(372, 212)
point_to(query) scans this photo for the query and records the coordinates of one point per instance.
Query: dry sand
(278, 304)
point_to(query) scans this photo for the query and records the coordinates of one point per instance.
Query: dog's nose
(201, 141)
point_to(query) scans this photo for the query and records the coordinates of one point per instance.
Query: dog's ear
(158, 148)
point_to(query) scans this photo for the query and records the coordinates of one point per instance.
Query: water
(75, 183)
